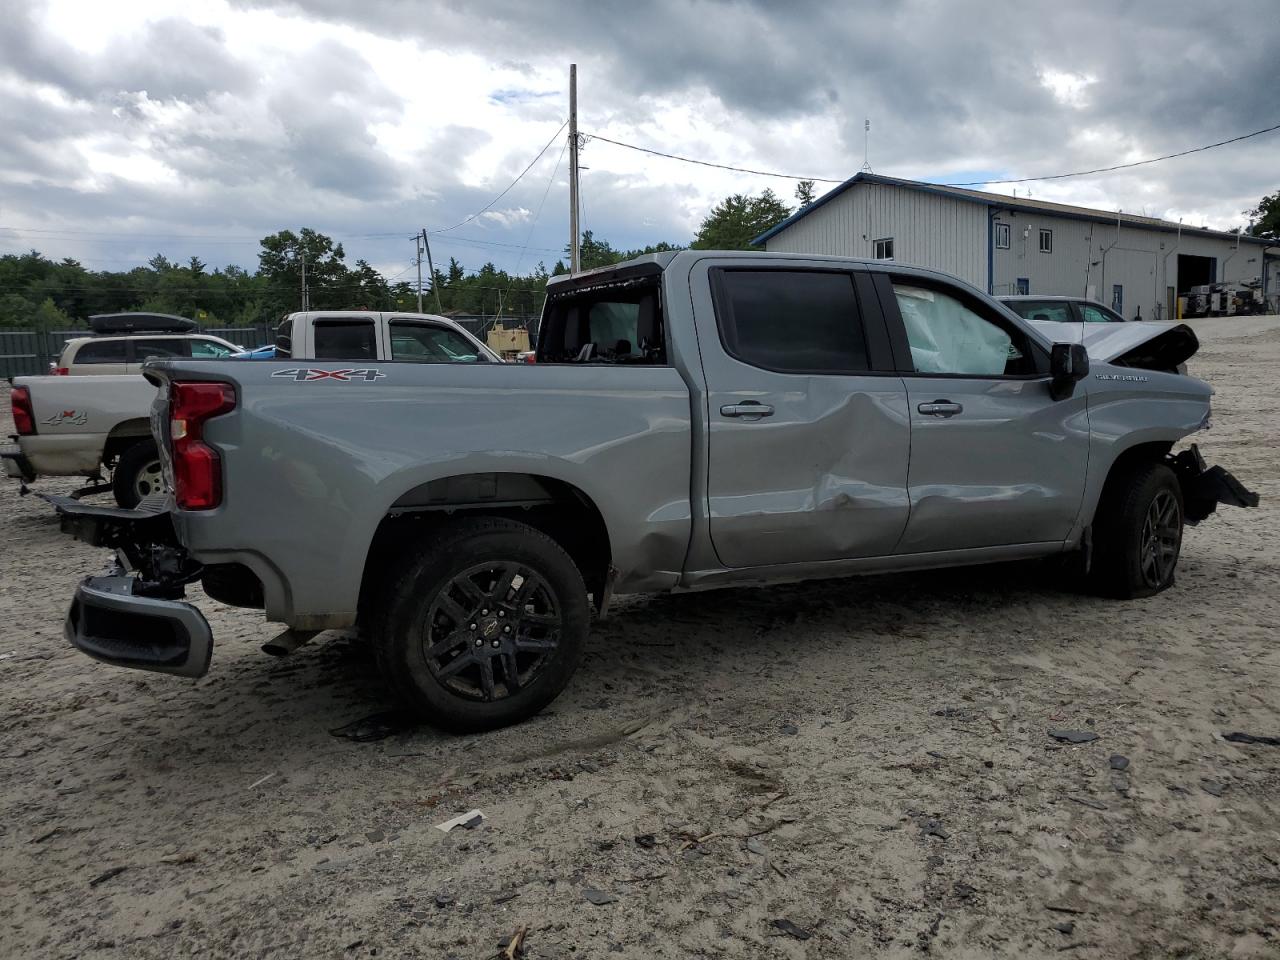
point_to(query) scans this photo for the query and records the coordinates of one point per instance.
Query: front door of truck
(808, 432)
(995, 460)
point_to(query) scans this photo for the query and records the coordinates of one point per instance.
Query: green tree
(280, 269)
(1267, 217)
(804, 192)
(736, 220)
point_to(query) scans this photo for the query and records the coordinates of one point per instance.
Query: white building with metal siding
(1009, 245)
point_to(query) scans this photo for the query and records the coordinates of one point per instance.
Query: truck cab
(369, 336)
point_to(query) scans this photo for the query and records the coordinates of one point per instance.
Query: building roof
(1002, 202)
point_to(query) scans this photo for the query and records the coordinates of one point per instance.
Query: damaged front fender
(1204, 487)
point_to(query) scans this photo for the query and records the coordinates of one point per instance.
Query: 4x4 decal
(310, 374)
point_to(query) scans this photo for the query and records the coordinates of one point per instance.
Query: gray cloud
(952, 88)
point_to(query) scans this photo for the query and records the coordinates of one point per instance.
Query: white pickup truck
(78, 425)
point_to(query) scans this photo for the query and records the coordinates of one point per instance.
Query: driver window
(947, 337)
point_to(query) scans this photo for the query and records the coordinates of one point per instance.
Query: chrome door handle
(940, 408)
(752, 409)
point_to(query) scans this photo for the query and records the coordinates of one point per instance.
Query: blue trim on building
(992, 201)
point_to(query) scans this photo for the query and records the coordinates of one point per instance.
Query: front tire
(485, 628)
(1138, 533)
(137, 474)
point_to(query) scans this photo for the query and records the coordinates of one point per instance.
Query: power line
(509, 186)
(970, 183)
(1122, 166)
(707, 163)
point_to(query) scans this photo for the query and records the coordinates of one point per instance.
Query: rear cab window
(791, 321)
(612, 318)
(345, 338)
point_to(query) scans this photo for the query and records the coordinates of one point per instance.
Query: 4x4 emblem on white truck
(309, 374)
(79, 418)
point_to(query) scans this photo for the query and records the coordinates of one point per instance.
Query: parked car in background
(693, 420)
(122, 342)
(1060, 309)
(79, 426)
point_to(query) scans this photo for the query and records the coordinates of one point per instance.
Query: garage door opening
(1195, 271)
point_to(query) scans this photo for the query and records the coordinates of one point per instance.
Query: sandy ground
(866, 759)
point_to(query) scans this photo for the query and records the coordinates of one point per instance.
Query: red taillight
(24, 418)
(530, 358)
(62, 371)
(197, 468)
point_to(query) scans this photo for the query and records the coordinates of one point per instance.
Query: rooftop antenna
(866, 146)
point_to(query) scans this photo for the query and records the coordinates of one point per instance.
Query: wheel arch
(124, 435)
(1148, 451)
(556, 507)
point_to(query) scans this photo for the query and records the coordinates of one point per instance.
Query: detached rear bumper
(109, 623)
(134, 616)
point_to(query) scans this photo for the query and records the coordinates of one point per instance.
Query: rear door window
(343, 339)
(103, 351)
(791, 321)
(431, 343)
(209, 348)
(1091, 314)
(1059, 311)
(159, 349)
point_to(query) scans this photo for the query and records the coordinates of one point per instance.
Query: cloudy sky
(187, 128)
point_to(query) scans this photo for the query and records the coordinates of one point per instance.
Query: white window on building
(1002, 236)
(1046, 241)
(884, 248)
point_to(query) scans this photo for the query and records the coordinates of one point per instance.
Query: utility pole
(574, 262)
(866, 146)
(305, 305)
(431, 267)
(417, 259)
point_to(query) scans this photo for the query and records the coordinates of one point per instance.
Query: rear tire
(137, 474)
(485, 628)
(1138, 533)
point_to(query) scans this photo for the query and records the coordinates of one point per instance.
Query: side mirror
(1068, 365)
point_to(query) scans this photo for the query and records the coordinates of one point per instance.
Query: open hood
(1150, 346)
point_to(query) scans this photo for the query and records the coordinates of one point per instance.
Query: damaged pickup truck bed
(694, 420)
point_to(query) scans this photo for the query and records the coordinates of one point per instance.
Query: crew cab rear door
(995, 460)
(807, 421)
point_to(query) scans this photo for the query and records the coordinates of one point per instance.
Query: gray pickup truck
(693, 420)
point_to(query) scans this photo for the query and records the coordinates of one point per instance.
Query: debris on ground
(1067, 928)
(598, 897)
(963, 890)
(1085, 801)
(790, 929)
(378, 726)
(646, 841)
(1238, 737)
(1213, 787)
(107, 875)
(1062, 906)
(260, 781)
(933, 828)
(790, 729)
(514, 949)
(756, 847)
(1073, 736)
(467, 821)
(1119, 762)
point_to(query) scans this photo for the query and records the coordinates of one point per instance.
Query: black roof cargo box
(126, 323)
